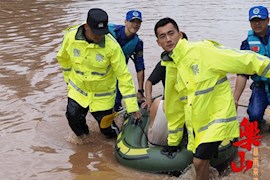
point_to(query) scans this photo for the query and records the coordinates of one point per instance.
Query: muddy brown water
(36, 141)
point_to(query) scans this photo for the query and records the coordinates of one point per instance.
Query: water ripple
(33, 92)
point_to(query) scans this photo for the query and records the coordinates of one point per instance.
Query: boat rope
(154, 144)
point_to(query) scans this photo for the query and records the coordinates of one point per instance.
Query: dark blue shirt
(137, 56)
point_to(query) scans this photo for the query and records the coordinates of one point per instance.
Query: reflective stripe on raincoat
(198, 93)
(91, 71)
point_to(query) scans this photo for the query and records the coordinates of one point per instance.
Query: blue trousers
(258, 102)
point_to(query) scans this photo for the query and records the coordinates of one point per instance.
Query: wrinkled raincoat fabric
(198, 92)
(91, 71)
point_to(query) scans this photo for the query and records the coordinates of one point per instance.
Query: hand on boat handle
(137, 115)
(170, 151)
(147, 103)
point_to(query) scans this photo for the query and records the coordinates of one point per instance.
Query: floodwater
(36, 141)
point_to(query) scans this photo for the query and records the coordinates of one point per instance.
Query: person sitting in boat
(157, 133)
(198, 93)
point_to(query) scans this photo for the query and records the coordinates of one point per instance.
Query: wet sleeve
(138, 57)
(64, 59)
(229, 60)
(125, 80)
(244, 46)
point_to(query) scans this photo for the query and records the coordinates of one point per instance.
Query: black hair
(184, 36)
(165, 21)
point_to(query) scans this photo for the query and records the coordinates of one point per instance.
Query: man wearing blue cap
(132, 47)
(258, 40)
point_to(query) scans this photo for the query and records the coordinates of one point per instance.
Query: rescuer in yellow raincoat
(92, 61)
(198, 93)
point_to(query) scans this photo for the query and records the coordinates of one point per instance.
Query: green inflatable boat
(132, 150)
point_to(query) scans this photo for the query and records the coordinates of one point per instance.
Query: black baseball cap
(97, 19)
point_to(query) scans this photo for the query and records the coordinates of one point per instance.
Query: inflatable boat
(132, 150)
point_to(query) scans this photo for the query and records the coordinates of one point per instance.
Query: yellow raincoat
(91, 71)
(198, 92)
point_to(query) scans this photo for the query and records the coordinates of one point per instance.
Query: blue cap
(258, 12)
(134, 14)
